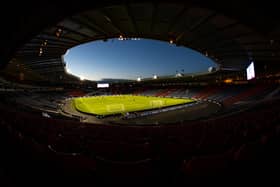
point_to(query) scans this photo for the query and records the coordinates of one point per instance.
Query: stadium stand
(206, 150)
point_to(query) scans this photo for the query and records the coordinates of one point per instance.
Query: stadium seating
(192, 152)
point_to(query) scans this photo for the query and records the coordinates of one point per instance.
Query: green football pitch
(121, 104)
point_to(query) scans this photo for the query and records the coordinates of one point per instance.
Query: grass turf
(119, 104)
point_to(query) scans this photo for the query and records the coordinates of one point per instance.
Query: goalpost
(115, 108)
(156, 103)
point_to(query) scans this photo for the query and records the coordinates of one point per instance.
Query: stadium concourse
(229, 137)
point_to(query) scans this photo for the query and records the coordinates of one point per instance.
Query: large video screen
(103, 85)
(250, 71)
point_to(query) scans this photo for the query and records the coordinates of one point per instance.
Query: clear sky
(129, 59)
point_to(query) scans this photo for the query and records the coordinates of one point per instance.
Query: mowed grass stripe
(108, 105)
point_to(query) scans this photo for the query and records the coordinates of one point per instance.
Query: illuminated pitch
(121, 104)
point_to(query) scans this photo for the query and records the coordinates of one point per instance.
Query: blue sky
(129, 59)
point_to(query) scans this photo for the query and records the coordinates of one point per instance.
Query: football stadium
(108, 105)
(208, 116)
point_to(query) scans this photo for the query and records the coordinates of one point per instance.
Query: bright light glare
(82, 78)
(68, 70)
(103, 85)
(250, 71)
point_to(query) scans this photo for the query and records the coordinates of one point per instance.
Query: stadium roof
(231, 33)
